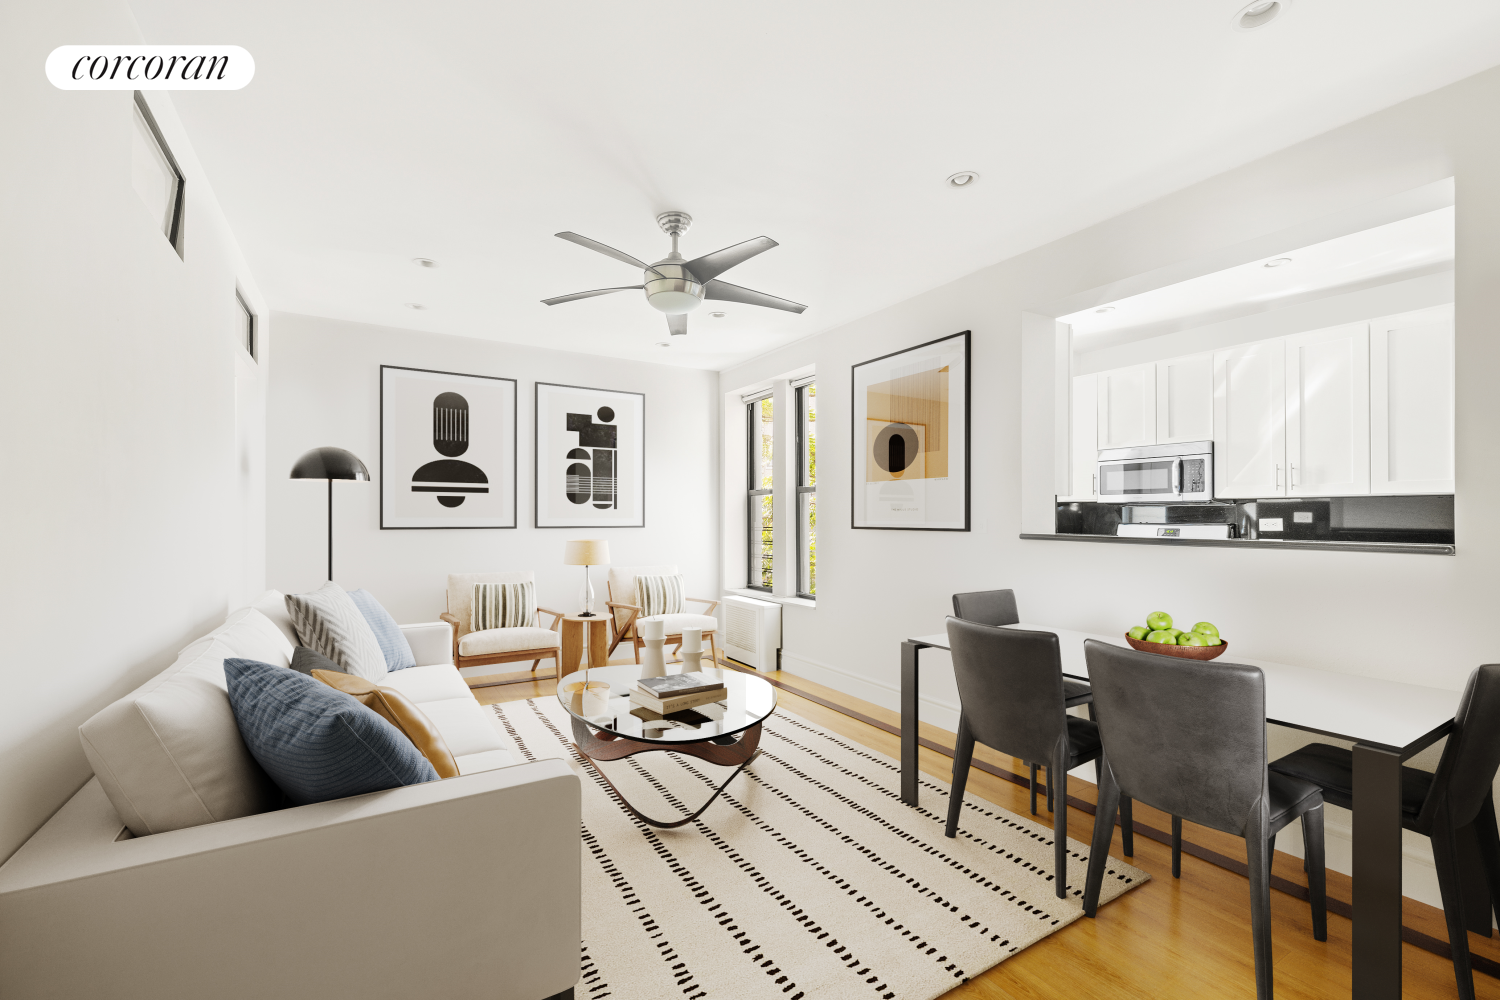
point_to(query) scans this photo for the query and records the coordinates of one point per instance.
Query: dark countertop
(1420, 548)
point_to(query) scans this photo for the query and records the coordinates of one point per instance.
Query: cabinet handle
(1278, 475)
(1096, 485)
(1294, 475)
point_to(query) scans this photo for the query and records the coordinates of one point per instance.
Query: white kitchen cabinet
(1185, 399)
(1328, 412)
(1083, 437)
(1250, 420)
(1127, 406)
(1412, 402)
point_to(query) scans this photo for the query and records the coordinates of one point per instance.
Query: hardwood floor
(1169, 939)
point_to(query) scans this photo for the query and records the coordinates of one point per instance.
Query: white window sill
(761, 595)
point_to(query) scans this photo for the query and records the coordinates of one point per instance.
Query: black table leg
(1377, 873)
(909, 741)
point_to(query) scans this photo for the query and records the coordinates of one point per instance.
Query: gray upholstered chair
(1189, 738)
(1437, 805)
(998, 607)
(1010, 690)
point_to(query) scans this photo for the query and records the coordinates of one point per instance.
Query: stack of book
(676, 692)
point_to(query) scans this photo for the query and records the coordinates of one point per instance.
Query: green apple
(1158, 620)
(1212, 640)
(1207, 628)
(1139, 632)
(1176, 632)
(1192, 639)
(1164, 637)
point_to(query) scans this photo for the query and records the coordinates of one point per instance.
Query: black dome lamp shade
(330, 464)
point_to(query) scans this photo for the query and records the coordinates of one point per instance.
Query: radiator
(752, 631)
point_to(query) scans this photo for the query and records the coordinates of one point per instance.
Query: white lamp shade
(591, 552)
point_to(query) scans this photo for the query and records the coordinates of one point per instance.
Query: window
(760, 417)
(247, 325)
(155, 174)
(807, 490)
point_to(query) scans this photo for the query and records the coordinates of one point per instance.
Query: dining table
(1387, 722)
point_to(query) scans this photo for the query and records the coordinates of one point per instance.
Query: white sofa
(467, 887)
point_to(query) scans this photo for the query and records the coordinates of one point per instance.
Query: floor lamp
(330, 464)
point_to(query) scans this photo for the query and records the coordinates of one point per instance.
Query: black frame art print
(447, 449)
(590, 457)
(909, 438)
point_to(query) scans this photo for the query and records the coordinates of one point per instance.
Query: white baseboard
(930, 710)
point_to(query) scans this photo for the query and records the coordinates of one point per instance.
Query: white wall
(126, 516)
(1336, 610)
(325, 390)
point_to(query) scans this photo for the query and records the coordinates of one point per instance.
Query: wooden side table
(578, 632)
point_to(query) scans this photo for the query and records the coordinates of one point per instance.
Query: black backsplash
(1334, 519)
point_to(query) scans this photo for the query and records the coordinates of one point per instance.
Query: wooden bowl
(1185, 652)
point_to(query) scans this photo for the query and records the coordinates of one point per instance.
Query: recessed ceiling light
(1258, 14)
(663, 343)
(424, 262)
(1278, 262)
(1105, 309)
(415, 305)
(963, 178)
(717, 315)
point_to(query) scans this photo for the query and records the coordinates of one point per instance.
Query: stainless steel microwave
(1159, 473)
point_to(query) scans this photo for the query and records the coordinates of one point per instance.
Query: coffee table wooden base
(605, 745)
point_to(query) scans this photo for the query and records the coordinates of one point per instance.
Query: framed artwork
(590, 457)
(447, 449)
(910, 438)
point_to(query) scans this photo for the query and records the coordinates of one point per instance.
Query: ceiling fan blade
(589, 294)
(711, 265)
(677, 324)
(725, 292)
(618, 255)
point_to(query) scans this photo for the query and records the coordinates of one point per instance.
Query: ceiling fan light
(673, 302)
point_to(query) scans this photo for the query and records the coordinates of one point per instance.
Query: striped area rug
(807, 878)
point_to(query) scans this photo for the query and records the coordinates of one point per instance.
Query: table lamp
(330, 464)
(586, 553)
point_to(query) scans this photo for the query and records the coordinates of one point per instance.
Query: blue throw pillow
(398, 654)
(317, 743)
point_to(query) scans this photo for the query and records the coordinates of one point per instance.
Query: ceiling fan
(676, 286)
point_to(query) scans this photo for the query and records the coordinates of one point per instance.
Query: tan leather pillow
(399, 710)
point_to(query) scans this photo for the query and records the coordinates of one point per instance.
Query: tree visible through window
(760, 414)
(807, 490)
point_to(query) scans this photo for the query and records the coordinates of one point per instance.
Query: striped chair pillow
(503, 605)
(659, 595)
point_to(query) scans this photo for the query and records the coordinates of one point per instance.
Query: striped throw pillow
(503, 605)
(659, 595)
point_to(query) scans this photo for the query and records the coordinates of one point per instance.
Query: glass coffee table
(608, 726)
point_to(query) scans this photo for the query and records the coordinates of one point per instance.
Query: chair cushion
(502, 605)
(507, 640)
(393, 645)
(316, 743)
(1332, 770)
(676, 623)
(1083, 739)
(461, 591)
(659, 595)
(400, 711)
(305, 661)
(328, 621)
(169, 754)
(620, 585)
(1290, 798)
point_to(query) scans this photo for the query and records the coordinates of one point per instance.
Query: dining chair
(1189, 737)
(998, 607)
(1439, 804)
(1010, 694)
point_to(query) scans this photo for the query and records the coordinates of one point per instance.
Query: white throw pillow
(328, 622)
(169, 755)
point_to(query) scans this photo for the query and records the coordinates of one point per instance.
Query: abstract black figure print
(590, 457)
(447, 450)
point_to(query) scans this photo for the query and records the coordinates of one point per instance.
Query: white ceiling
(1385, 253)
(375, 132)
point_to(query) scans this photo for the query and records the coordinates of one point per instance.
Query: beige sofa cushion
(272, 604)
(471, 730)
(461, 592)
(169, 754)
(507, 640)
